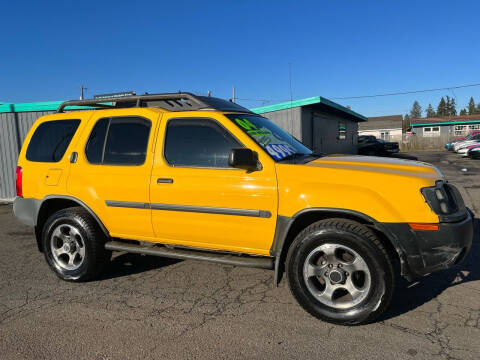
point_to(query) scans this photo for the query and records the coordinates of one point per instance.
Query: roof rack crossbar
(138, 100)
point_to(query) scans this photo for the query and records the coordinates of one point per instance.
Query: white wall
(388, 134)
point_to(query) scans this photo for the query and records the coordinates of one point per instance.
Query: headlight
(443, 198)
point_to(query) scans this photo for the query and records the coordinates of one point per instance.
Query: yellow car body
(198, 207)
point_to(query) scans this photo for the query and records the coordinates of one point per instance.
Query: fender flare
(284, 225)
(40, 203)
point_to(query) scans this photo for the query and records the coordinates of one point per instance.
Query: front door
(197, 200)
(113, 168)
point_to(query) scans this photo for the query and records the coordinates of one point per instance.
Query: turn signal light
(18, 182)
(423, 226)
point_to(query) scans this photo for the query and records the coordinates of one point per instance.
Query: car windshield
(278, 143)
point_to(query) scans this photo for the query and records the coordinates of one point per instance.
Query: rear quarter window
(51, 140)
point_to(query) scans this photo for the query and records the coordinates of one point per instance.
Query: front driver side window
(198, 143)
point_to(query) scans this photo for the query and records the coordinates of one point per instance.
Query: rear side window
(51, 140)
(198, 143)
(118, 141)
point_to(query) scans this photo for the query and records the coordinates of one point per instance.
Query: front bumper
(429, 251)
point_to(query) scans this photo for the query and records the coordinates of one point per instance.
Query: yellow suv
(194, 177)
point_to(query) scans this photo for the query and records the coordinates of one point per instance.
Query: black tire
(341, 233)
(95, 256)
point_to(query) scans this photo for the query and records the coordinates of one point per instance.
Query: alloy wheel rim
(337, 276)
(67, 247)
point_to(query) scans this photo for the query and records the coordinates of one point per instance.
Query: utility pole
(233, 94)
(81, 92)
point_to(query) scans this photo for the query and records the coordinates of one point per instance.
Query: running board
(246, 261)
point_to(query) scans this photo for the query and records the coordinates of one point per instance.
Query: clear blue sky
(336, 48)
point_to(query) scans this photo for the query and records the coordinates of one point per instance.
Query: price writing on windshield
(279, 151)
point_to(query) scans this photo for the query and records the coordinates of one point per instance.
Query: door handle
(164, 181)
(73, 157)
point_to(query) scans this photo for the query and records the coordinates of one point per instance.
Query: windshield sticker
(279, 151)
(278, 143)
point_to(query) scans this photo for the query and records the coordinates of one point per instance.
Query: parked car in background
(450, 145)
(463, 150)
(474, 151)
(470, 140)
(370, 145)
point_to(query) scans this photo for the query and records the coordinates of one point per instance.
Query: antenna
(291, 103)
(81, 91)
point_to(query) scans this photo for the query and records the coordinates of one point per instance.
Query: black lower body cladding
(429, 251)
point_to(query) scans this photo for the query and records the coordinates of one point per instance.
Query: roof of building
(316, 100)
(382, 122)
(446, 120)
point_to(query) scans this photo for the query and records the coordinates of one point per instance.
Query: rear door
(112, 171)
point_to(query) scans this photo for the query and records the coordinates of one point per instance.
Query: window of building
(431, 131)
(119, 141)
(198, 143)
(385, 135)
(51, 140)
(342, 130)
(460, 130)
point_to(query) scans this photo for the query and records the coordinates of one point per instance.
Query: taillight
(19, 181)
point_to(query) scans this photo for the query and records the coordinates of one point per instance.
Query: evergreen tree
(447, 106)
(430, 112)
(441, 108)
(452, 110)
(416, 111)
(463, 112)
(478, 108)
(471, 107)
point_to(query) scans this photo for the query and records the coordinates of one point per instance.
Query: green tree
(442, 107)
(463, 112)
(416, 111)
(472, 110)
(452, 109)
(430, 111)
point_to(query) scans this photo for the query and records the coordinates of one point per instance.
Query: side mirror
(243, 158)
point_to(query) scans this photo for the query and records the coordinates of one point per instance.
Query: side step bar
(246, 261)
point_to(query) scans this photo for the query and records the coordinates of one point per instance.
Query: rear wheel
(340, 272)
(74, 246)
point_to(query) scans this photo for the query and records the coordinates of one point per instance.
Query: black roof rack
(182, 101)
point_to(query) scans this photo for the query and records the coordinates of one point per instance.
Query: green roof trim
(448, 123)
(39, 106)
(34, 106)
(307, 101)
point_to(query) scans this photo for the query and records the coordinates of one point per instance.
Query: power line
(405, 92)
(377, 95)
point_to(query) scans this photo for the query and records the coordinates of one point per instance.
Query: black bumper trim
(429, 251)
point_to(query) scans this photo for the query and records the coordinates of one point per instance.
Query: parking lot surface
(146, 307)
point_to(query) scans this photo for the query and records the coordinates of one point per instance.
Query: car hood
(378, 165)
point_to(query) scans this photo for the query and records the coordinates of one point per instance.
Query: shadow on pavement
(409, 296)
(130, 264)
(404, 156)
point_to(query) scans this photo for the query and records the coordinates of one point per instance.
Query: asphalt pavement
(153, 308)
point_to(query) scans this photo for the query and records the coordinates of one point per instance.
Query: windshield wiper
(294, 156)
(298, 155)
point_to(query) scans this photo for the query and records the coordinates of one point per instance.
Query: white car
(465, 143)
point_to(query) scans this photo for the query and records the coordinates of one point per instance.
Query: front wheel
(339, 271)
(74, 245)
